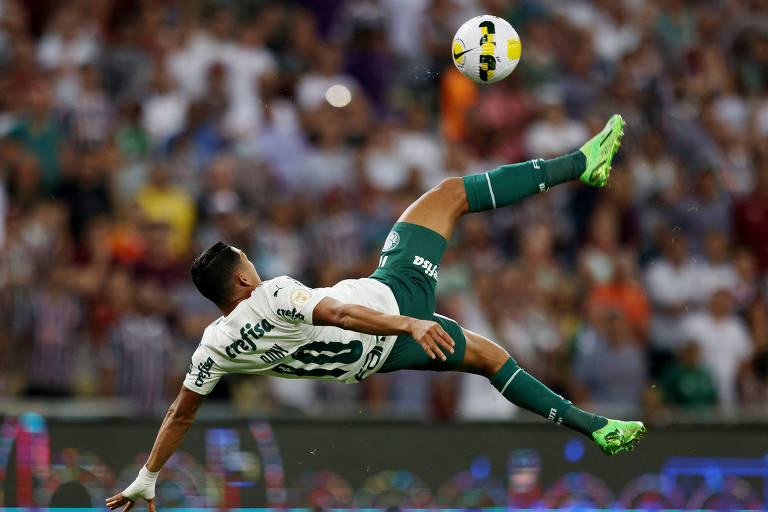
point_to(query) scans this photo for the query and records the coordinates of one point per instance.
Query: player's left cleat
(599, 151)
(618, 436)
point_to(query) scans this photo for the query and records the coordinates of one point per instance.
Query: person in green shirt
(686, 382)
(39, 133)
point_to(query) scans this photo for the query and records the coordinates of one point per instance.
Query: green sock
(525, 391)
(510, 183)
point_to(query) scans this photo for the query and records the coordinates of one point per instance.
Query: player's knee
(494, 362)
(451, 190)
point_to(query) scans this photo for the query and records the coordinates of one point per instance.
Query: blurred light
(574, 450)
(481, 467)
(338, 96)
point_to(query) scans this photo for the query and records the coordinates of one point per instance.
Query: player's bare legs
(484, 357)
(440, 208)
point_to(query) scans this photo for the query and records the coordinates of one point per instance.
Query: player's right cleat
(599, 151)
(618, 436)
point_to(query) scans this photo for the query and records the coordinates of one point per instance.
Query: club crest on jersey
(300, 297)
(391, 242)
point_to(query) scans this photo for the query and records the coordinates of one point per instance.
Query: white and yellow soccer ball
(486, 49)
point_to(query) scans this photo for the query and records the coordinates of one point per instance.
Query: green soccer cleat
(599, 151)
(618, 436)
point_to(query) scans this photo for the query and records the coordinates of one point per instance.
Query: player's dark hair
(212, 272)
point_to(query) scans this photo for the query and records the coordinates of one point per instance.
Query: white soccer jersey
(271, 333)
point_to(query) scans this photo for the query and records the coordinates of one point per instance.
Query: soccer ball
(486, 49)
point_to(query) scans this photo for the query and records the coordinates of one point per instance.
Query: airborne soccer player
(382, 323)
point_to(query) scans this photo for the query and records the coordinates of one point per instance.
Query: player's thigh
(482, 356)
(407, 354)
(439, 208)
(409, 265)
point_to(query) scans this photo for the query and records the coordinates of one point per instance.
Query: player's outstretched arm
(353, 317)
(178, 419)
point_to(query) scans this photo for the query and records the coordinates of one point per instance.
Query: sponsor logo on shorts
(393, 238)
(431, 269)
(290, 314)
(300, 297)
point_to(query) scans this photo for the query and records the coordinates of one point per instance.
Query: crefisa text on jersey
(248, 334)
(291, 314)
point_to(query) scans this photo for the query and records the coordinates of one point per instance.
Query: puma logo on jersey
(431, 269)
(278, 289)
(248, 335)
(290, 314)
(274, 354)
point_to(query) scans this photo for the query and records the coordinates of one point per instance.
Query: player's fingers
(428, 350)
(129, 506)
(436, 349)
(446, 336)
(445, 340)
(151, 505)
(115, 501)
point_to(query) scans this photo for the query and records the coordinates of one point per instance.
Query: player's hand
(432, 337)
(141, 488)
(119, 500)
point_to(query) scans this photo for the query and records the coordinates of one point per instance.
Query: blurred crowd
(133, 134)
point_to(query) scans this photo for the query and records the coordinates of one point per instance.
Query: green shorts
(409, 265)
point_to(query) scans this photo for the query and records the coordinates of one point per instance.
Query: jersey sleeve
(203, 372)
(292, 301)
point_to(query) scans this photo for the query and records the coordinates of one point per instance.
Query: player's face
(248, 269)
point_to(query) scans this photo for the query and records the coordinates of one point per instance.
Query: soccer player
(383, 323)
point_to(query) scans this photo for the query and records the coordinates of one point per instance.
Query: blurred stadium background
(133, 133)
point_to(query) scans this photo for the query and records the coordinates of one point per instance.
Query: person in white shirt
(725, 343)
(382, 323)
(672, 286)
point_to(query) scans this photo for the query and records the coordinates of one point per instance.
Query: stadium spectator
(139, 361)
(623, 292)
(133, 134)
(39, 132)
(609, 364)
(751, 218)
(725, 344)
(687, 383)
(672, 288)
(165, 202)
(707, 209)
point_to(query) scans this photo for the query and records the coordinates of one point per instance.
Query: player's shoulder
(274, 287)
(210, 332)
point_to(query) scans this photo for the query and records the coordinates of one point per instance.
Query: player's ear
(243, 279)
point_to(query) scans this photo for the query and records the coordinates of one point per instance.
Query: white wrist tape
(143, 486)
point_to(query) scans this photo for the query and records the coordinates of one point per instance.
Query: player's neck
(242, 294)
